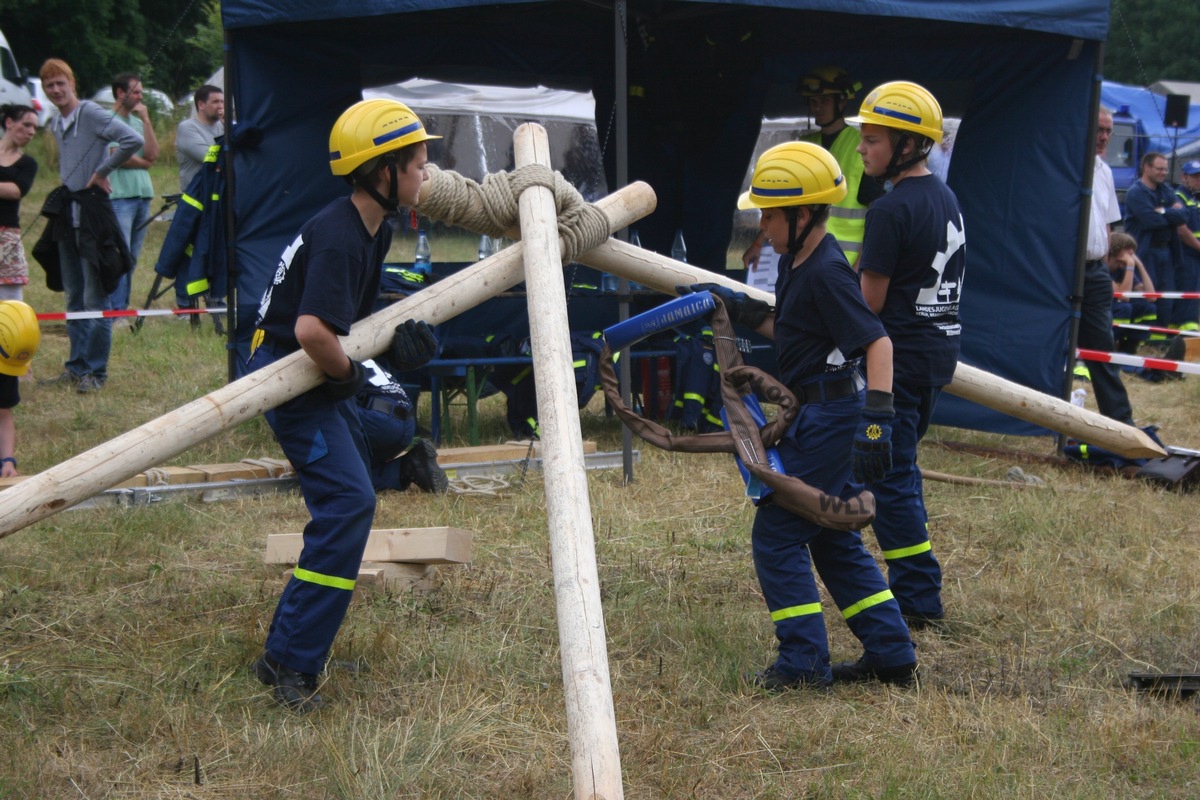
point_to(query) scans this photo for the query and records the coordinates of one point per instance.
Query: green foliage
(102, 38)
(1152, 40)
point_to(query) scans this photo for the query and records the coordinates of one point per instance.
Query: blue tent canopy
(1020, 74)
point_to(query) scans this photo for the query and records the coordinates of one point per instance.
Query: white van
(12, 82)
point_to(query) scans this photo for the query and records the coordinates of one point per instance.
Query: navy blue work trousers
(786, 547)
(901, 524)
(325, 444)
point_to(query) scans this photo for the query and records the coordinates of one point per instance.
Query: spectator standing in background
(132, 189)
(194, 136)
(17, 172)
(84, 131)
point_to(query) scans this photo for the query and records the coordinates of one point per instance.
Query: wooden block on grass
(407, 545)
(416, 578)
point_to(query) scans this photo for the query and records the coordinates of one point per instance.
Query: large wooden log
(591, 719)
(148, 445)
(664, 274)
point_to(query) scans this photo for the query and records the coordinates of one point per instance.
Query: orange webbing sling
(744, 438)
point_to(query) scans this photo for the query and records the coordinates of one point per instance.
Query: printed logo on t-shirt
(285, 262)
(939, 301)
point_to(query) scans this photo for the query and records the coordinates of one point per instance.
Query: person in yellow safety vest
(828, 89)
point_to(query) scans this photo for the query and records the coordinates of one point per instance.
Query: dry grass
(126, 634)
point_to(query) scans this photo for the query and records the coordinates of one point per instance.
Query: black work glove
(338, 391)
(872, 450)
(413, 345)
(742, 309)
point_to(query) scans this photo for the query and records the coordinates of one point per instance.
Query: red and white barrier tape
(1169, 331)
(1161, 364)
(127, 312)
(1157, 295)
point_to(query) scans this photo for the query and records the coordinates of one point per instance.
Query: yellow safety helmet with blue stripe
(371, 128)
(902, 105)
(794, 174)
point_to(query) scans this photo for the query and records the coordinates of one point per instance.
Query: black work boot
(772, 680)
(917, 621)
(903, 675)
(419, 466)
(293, 690)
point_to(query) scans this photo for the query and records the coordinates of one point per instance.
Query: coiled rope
(492, 207)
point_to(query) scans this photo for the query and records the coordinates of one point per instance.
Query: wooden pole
(662, 273)
(78, 478)
(591, 719)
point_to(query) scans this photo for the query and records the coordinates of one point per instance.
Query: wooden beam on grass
(591, 718)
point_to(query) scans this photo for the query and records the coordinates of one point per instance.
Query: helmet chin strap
(895, 165)
(796, 243)
(391, 203)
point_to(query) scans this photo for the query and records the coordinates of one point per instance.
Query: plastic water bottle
(1078, 396)
(636, 241)
(421, 259)
(485, 246)
(678, 248)
(608, 283)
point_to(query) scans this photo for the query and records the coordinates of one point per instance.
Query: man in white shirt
(1095, 322)
(194, 136)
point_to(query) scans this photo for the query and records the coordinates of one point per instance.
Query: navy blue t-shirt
(330, 271)
(822, 322)
(915, 236)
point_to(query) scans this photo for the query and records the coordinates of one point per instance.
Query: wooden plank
(173, 476)
(275, 467)
(407, 545)
(589, 447)
(136, 482)
(239, 471)
(509, 451)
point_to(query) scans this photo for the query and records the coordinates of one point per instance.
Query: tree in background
(172, 45)
(1152, 40)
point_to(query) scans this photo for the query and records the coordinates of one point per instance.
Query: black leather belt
(383, 405)
(825, 391)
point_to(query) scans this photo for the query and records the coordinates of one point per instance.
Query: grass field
(126, 635)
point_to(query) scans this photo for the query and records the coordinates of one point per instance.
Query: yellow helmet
(370, 128)
(829, 80)
(19, 337)
(902, 105)
(794, 174)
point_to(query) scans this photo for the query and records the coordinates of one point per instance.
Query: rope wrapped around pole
(492, 208)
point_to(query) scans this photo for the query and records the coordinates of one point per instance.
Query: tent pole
(231, 270)
(591, 717)
(621, 137)
(1085, 213)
